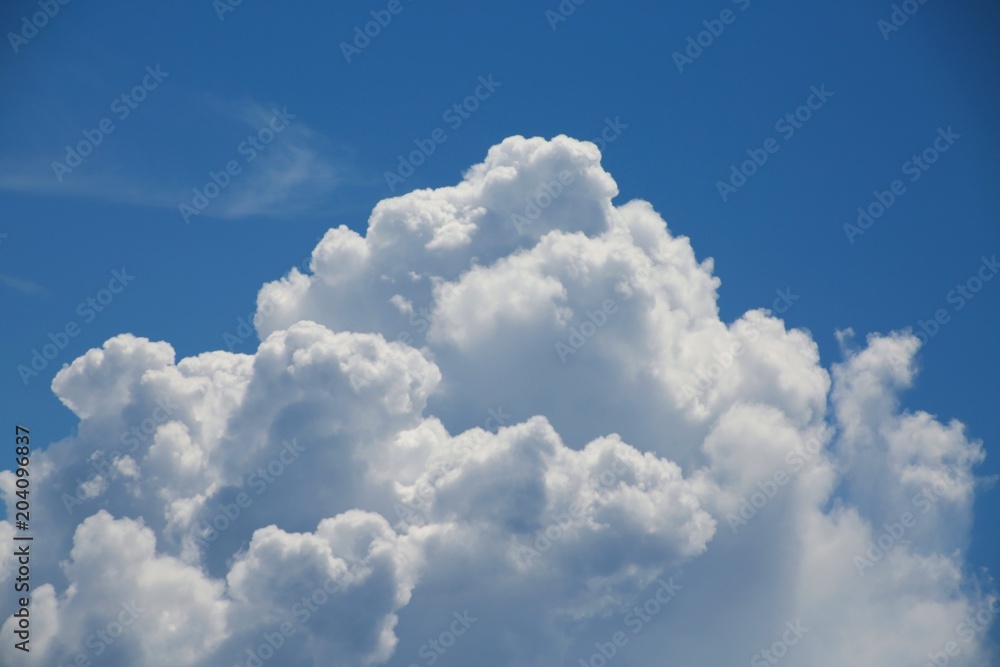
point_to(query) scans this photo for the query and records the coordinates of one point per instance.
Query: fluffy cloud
(504, 424)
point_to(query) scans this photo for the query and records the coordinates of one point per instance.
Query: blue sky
(605, 65)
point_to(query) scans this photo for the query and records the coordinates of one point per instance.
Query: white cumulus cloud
(486, 433)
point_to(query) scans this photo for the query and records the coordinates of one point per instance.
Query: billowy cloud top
(506, 426)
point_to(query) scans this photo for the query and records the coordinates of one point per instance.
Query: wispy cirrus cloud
(282, 166)
(22, 285)
(281, 173)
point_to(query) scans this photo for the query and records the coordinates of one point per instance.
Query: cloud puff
(504, 424)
